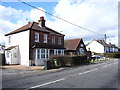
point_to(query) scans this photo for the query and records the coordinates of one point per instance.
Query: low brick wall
(2, 59)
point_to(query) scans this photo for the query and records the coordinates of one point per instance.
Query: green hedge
(109, 55)
(112, 55)
(61, 61)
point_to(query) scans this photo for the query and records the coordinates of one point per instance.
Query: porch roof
(11, 47)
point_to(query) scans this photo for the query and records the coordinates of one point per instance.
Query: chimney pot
(41, 22)
(42, 18)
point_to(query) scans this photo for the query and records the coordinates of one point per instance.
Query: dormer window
(36, 37)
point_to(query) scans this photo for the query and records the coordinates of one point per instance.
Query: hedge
(62, 61)
(112, 55)
(109, 55)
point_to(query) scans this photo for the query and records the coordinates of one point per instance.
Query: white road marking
(88, 71)
(47, 83)
(109, 65)
(71, 75)
(97, 68)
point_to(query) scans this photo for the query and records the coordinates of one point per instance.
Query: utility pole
(105, 37)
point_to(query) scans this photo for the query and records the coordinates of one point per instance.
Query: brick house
(75, 47)
(32, 44)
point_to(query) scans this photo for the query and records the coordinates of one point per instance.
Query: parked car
(96, 57)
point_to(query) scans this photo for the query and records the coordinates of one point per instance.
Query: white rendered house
(32, 44)
(100, 46)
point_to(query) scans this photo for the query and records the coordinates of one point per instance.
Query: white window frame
(36, 37)
(55, 52)
(62, 52)
(53, 39)
(43, 53)
(80, 49)
(81, 45)
(9, 39)
(45, 38)
(8, 54)
(46, 53)
(59, 40)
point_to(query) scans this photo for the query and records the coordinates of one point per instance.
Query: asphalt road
(99, 75)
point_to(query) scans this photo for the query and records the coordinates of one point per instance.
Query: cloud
(35, 14)
(98, 17)
(14, 19)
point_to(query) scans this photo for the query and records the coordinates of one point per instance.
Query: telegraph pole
(105, 37)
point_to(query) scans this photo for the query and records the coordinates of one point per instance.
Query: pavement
(100, 75)
(20, 69)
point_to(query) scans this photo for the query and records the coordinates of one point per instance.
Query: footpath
(19, 69)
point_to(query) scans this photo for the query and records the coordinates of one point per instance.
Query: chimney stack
(41, 22)
(109, 43)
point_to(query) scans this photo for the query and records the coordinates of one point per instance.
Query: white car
(94, 57)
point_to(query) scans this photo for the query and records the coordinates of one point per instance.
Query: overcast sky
(100, 16)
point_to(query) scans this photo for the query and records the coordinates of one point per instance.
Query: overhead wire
(62, 19)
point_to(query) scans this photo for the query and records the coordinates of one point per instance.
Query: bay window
(41, 54)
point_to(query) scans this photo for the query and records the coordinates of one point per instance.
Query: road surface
(99, 75)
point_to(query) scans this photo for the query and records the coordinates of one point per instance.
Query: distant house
(75, 47)
(2, 54)
(2, 47)
(100, 46)
(32, 44)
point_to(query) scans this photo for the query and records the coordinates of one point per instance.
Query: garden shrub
(112, 55)
(67, 60)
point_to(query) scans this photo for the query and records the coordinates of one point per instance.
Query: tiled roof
(72, 44)
(33, 26)
(114, 46)
(105, 44)
(102, 42)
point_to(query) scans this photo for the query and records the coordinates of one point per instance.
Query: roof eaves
(16, 32)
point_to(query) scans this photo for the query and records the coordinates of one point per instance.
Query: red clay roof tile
(33, 26)
(72, 44)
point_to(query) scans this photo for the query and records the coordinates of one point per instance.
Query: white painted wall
(95, 47)
(8, 59)
(22, 40)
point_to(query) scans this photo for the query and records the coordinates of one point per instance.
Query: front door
(14, 56)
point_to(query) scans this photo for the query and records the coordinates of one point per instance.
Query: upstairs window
(59, 40)
(81, 45)
(53, 39)
(9, 39)
(36, 37)
(45, 38)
